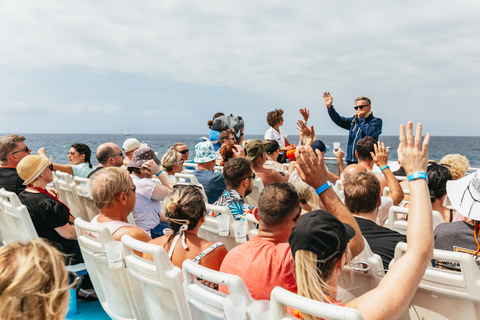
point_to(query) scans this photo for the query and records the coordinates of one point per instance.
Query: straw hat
(464, 195)
(30, 167)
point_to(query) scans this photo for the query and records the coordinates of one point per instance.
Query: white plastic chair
(15, 222)
(206, 303)
(251, 222)
(218, 168)
(85, 198)
(386, 191)
(189, 165)
(252, 198)
(68, 194)
(445, 294)
(281, 298)
(338, 187)
(111, 285)
(401, 225)
(364, 271)
(157, 286)
(189, 177)
(209, 230)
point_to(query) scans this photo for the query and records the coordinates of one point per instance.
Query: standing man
(362, 124)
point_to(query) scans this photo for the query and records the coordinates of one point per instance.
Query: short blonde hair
(33, 281)
(171, 158)
(107, 184)
(458, 165)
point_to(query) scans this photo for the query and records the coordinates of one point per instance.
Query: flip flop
(89, 295)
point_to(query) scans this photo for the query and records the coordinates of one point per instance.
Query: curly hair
(274, 117)
(458, 165)
(33, 281)
(227, 153)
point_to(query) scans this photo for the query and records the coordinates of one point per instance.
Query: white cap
(131, 144)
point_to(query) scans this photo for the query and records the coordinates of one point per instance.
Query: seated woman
(51, 218)
(457, 164)
(142, 168)
(319, 242)
(79, 158)
(172, 162)
(33, 281)
(438, 175)
(186, 211)
(273, 151)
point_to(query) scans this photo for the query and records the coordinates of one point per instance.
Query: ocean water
(57, 145)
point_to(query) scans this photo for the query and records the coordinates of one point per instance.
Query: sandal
(90, 295)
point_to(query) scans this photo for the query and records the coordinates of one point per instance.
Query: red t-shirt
(262, 265)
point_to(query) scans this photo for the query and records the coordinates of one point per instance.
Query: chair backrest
(218, 168)
(189, 165)
(361, 276)
(269, 165)
(192, 180)
(209, 230)
(386, 191)
(111, 285)
(15, 221)
(445, 294)
(401, 225)
(338, 187)
(157, 286)
(203, 302)
(252, 225)
(68, 190)
(281, 298)
(252, 198)
(85, 198)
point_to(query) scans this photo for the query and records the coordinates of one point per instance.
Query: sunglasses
(298, 214)
(117, 154)
(253, 177)
(361, 107)
(134, 188)
(184, 151)
(50, 166)
(24, 149)
(70, 153)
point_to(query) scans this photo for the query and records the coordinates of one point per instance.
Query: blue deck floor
(91, 310)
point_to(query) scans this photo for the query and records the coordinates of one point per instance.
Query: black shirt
(11, 181)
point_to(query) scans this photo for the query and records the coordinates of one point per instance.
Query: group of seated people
(306, 233)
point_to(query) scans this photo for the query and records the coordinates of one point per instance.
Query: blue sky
(168, 66)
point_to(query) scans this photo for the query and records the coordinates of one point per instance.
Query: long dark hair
(82, 148)
(438, 175)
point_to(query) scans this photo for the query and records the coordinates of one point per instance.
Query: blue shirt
(212, 182)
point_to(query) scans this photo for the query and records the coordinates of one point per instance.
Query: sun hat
(30, 167)
(322, 233)
(131, 144)
(255, 148)
(142, 155)
(464, 194)
(205, 152)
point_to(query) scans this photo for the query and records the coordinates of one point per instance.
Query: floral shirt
(234, 201)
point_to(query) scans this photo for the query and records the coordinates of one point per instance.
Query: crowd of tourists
(306, 232)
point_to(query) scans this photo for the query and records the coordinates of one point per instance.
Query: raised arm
(336, 118)
(391, 297)
(161, 190)
(307, 132)
(60, 167)
(311, 169)
(380, 157)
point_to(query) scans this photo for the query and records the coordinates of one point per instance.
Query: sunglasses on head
(298, 214)
(361, 107)
(184, 151)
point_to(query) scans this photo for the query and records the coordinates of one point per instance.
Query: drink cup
(113, 250)
(223, 222)
(234, 307)
(336, 146)
(240, 228)
(260, 310)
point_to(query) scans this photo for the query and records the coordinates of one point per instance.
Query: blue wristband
(323, 187)
(383, 168)
(417, 175)
(159, 173)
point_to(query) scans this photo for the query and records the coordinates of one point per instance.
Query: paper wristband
(323, 187)
(417, 175)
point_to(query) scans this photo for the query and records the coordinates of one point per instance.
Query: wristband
(383, 168)
(417, 175)
(323, 187)
(159, 173)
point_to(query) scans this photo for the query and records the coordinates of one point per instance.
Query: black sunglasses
(361, 107)
(298, 214)
(24, 149)
(253, 177)
(184, 151)
(117, 154)
(50, 166)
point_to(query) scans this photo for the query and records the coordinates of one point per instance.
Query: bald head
(351, 169)
(109, 155)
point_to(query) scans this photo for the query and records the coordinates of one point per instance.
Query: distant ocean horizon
(57, 145)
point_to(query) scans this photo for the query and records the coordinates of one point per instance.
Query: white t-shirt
(272, 134)
(146, 209)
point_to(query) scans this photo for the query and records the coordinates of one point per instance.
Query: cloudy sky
(168, 66)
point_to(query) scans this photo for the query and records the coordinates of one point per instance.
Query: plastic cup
(113, 250)
(336, 146)
(234, 307)
(223, 222)
(260, 310)
(240, 228)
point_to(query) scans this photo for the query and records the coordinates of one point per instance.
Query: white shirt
(273, 134)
